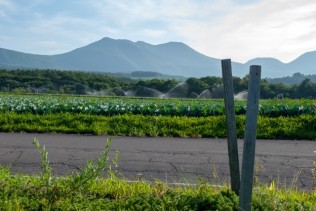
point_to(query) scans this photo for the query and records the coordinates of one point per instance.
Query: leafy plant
(46, 169)
(92, 170)
(46, 176)
(45, 104)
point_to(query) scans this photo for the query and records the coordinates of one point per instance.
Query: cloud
(6, 7)
(60, 33)
(153, 21)
(34, 29)
(7, 4)
(267, 28)
(237, 29)
(150, 21)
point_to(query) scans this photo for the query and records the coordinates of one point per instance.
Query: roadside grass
(298, 127)
(314, 171)
(89, 190)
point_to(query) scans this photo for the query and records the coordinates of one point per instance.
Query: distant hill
(173, 58)
(123, 56)
(273, 68)
(270, 66)
(296, 78)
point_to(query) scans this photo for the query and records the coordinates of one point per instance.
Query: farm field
(278, 119)
(107, 106)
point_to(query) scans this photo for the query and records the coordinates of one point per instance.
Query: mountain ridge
(172, 58)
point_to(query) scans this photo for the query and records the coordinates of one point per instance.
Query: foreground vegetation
(32, 193)
(88, 190)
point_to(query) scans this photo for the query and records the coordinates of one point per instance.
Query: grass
(299, 127)
(88, 190)
(314, 170)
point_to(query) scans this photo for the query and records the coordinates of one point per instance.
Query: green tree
(196, 86)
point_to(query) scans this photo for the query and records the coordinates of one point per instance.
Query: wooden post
(250, 138)
(231, 125)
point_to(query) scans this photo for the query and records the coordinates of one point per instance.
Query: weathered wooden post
(231, 125)
(250, 138)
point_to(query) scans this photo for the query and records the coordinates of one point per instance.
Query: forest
(94, 83)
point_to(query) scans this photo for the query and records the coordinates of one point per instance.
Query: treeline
(58, 82)
(305, 89)
(296, 78)
(75, 82)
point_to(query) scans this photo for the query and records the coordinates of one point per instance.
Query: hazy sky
(236, 29)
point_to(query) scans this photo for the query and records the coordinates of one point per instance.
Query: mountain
(304, 63)
(110, 55)
(273, 68)
(124, 56)
(270, 66)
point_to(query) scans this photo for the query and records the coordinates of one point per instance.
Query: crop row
(40, 104)
(299, 127)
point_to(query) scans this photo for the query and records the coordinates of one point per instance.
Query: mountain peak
(174, 44)
(307, 55)
(264, 60)
(108, 39)
(172, 58)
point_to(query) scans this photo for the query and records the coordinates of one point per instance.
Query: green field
(106, 106)
(278, 119)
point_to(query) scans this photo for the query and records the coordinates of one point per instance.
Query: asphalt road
(288, 163)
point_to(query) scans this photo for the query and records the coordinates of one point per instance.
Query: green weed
(92, 170)
(46, 169)
(314, 170)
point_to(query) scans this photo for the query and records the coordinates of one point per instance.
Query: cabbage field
(48, 104)
(278, 119)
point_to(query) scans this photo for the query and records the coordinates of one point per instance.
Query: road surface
(168, 159)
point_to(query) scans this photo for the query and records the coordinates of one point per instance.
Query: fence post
(250, 138)
(231, 125)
